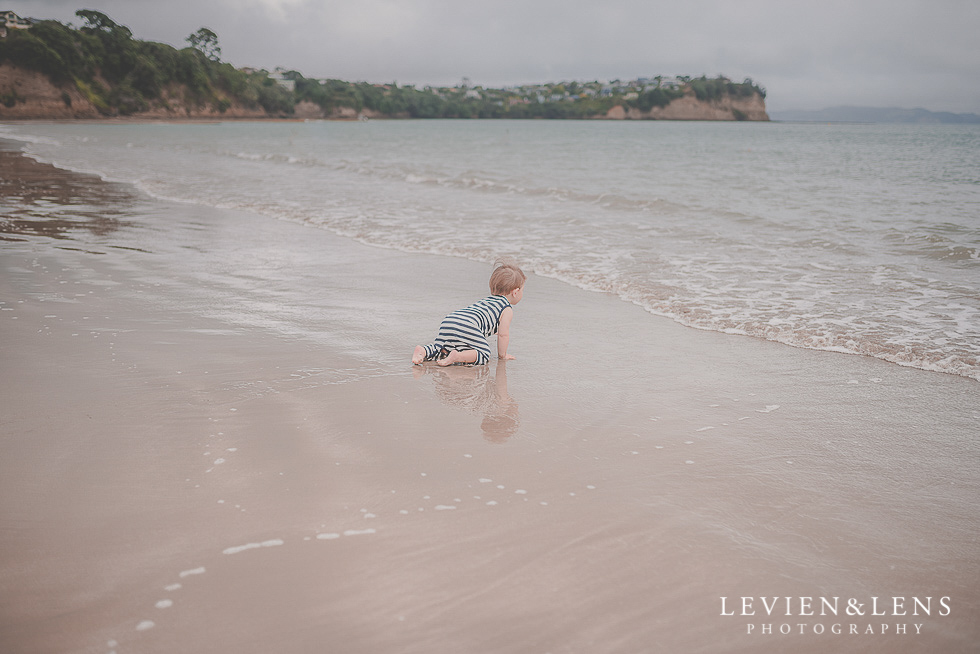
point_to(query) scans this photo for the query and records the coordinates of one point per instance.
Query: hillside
(56, 71)
(876, 115)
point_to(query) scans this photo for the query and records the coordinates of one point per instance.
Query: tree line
(121, 75)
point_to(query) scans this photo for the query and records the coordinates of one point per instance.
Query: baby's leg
(427, 352)
(473, 351)
(435, 349)
(459, 356)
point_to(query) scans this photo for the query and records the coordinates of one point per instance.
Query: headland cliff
(49, 70)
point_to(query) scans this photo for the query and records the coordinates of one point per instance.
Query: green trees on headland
(121, 75)
(207, 42)
(561, 100)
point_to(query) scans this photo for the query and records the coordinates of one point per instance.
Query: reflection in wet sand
(38, 199)
(474, 389)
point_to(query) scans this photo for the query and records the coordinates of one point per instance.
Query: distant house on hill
(10, 20)
(280, 79)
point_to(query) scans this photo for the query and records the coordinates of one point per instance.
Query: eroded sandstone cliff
(27, 94)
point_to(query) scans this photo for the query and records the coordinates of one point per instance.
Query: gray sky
(809, 54)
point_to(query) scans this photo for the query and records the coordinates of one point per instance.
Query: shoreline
(137, 120)
(575, 498)
(354, 119)
(956, 364)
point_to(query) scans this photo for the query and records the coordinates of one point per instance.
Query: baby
(463, 334)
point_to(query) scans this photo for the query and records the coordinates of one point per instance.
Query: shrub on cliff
(25, 49)
(710, 90)
(657, 97)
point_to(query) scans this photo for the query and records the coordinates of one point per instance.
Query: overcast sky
(808, 54)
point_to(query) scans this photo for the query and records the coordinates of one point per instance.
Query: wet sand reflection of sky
(477, 390)
(38, 199)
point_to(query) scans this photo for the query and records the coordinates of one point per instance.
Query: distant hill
(874, 115)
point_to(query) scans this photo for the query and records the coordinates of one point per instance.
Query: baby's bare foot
(449, 360)
(418, 356)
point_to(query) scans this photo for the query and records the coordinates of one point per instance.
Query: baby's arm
(503, 333)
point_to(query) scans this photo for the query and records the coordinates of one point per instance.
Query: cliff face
(31, 95)
(690, 108)
(312, 111)
(26, 94)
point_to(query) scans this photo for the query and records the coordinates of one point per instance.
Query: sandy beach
(212, 439)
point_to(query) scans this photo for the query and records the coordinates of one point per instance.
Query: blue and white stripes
(468, 329)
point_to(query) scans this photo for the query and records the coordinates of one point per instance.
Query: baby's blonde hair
(506, 276)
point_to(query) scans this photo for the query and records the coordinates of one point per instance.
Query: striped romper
(469, 328)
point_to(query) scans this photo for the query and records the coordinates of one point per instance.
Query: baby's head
(506, 277)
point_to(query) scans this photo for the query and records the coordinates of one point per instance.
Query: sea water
(853, 238)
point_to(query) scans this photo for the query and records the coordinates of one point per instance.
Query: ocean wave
(7, 132)
(675, 292)
(277, 158)
(803, 331)
(809, 280)
(912, 344)
(470, 182)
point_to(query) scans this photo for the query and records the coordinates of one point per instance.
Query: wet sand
(213, 440)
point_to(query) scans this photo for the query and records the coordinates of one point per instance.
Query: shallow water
(852, 238)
